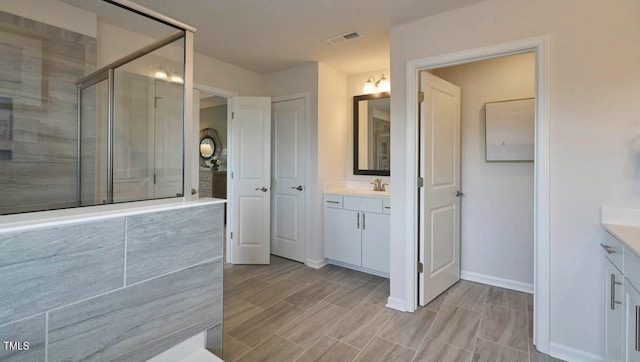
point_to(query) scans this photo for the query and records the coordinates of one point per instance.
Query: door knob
(263, 189)
(459, 193)
(299, 188)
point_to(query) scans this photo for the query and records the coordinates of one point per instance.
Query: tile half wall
(118, 288)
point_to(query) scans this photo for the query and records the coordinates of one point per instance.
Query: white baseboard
(571, 354)
(397, 304)
(496, 282)
(358, 268)
(191, 350)
(317, 263)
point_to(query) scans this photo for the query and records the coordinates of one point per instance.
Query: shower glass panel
(92, 112)
(93, 138)
(148, 126)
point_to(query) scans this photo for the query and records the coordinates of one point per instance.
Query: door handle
(459, 193)
(613, 292)
(299, 188)
(263, 189)
(637, 328)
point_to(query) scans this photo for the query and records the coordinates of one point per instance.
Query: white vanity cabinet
(356, 232)
(615, 309)
(631, 325)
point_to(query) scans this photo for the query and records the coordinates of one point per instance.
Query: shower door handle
(263, 189)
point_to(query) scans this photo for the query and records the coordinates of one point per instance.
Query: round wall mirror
(207, 147)
(210, 146)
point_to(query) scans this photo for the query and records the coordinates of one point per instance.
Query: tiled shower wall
(118, 288)
(39, 67)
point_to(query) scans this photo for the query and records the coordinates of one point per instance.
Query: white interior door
(440, 196)
(288, 171)
(250, 179)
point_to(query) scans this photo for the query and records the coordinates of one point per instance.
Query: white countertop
(359, 192)
(628, 234)
(624, 225)
(24, 221)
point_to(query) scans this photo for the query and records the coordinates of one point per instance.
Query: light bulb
(176, 78)
(383, 84)
(161, 74)
(369, 86)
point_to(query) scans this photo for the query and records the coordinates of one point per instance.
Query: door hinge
(420, 268)
(154, 178)
(420, 96)
(233, 115)
(420, 181)
(232, 175)
(231, 235)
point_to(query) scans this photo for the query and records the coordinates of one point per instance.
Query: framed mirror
(207, 147)
(210, 146)
(372, 134)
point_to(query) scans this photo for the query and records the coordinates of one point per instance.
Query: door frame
(196, 169)
(307, 174)
(541, 285)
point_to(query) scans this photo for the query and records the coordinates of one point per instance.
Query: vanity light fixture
(176, 78)
(162, 74)
(372, 86)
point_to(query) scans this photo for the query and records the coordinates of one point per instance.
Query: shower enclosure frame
(107, 73)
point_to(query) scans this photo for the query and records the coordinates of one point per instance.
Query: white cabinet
(614, 317)
(631, 324)
(356, 232)
(375, 242)
(342, 237)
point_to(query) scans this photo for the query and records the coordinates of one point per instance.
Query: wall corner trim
(316, 263)
(398, 304)
(567, 353)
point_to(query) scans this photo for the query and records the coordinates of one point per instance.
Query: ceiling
(271, 35)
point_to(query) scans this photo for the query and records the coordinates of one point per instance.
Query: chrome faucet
(377, 184)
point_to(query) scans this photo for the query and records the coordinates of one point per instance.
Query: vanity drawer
(614, 251)
(333, 201)
(206, 175)
(366, 204)
(386, 206)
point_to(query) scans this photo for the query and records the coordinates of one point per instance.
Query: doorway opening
(478, 166)
(212, 120)
(541, 284)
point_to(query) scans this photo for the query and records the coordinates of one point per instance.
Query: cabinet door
(375, 242)
(632, 323)
(614, 317)
(342, 235)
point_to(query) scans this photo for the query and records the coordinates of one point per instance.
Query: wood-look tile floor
(286, 311)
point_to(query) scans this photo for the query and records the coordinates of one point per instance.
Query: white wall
(497, 207)
(54, 13)
(332, 130)
(304, 80)
(594, 122)
(355, 83)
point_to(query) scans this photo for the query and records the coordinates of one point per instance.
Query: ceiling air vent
(344, 37)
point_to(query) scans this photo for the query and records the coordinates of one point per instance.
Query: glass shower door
(148, 126)
(93, 143)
